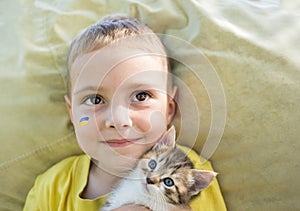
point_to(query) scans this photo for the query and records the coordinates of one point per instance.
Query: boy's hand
(132, 207)
(142, 208)
(182, 209)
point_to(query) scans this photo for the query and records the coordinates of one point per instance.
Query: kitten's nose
(149, 181)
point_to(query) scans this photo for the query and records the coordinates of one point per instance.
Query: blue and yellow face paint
(83, 121)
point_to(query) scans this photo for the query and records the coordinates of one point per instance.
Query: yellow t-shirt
(60, 187)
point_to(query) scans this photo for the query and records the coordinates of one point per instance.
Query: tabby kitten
(164, 178)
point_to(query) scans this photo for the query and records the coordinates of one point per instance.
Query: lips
(115, 143)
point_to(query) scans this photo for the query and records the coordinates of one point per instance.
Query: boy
(120, 101)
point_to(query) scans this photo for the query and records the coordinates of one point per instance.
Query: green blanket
(238, 68)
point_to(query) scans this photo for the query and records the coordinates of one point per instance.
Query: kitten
(164, 178)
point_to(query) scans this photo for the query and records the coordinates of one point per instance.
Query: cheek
(152, 124)
(86, 132)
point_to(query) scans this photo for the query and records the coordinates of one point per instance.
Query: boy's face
(126, 103)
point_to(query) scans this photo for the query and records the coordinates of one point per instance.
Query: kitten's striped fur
(163, 178)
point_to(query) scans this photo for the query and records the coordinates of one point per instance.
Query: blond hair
(109, 30)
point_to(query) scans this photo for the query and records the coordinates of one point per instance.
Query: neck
(99, 182)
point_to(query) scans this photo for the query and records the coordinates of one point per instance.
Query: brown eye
(94, 100)
(168, 182)
(141, 96)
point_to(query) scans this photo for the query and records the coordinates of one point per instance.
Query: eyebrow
(136, 85)
(88, 88)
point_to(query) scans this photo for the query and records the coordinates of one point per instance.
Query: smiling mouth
(115, 143)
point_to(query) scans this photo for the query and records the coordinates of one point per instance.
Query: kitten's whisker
(161, 201)
(164, 202)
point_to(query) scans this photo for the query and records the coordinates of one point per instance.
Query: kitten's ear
(168, 139)
(201, 180)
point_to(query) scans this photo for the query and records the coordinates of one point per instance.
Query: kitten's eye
(152, 164)
(141, 96)
(94, 100)
(168, 182)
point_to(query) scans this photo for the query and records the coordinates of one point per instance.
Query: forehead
(116, 66)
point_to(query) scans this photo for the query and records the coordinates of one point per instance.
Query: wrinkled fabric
(247, 58)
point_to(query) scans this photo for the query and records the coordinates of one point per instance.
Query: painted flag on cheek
(83, 121)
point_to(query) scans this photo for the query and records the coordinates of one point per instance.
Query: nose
(118, 118)
(149, 181)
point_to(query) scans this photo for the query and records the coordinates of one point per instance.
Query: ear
(168, 139)
(201, 179)
(69, 107)
(172, 105)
